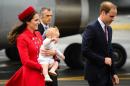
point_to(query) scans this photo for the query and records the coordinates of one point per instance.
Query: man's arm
(87, 41)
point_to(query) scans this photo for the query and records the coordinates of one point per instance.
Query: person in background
(45, 19)
(28, 42)
(48, 63)
(97, 48)
(46, 15)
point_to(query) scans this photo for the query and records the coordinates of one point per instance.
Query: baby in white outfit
(48, 62)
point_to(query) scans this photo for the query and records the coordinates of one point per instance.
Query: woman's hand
(48, 52)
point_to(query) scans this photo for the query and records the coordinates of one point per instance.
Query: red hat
(26, 13)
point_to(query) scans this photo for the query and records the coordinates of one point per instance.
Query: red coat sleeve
(24, 55)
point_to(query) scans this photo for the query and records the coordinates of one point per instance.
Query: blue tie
(43, 35)
(106, 33)
(45, 27)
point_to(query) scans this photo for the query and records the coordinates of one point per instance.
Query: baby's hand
(55, 40)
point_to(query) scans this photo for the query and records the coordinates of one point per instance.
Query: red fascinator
(26, 13)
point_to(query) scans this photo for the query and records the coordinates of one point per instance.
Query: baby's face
(55, 37)
(53, 33)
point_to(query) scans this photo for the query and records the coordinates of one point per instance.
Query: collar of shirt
(102, 24)
(44, 24)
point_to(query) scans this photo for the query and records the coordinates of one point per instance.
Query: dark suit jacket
(41, 28)
(94, 48)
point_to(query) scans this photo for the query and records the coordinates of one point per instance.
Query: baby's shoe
(47, 78)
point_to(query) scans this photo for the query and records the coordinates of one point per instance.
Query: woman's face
(33, 24)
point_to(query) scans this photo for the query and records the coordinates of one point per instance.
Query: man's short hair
(107, 6)
(43, 9)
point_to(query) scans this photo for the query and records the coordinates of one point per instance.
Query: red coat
(29, 74)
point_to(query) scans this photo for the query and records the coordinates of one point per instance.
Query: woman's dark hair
(19, 29)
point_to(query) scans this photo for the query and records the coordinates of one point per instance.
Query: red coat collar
(29, 33)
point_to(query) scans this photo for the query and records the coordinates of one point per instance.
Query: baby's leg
(45, 68)
(53, 68)
(45, 72)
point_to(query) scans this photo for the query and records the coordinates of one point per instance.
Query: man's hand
(115, 80)
(108, 61)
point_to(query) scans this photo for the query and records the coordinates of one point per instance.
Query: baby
(48, 62)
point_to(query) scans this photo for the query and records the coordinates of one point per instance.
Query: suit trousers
(101, 82)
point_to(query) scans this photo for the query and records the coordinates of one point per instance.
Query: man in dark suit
(45, 19)
(97, 48)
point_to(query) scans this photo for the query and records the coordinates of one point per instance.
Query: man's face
(47, 16)
(110, 16)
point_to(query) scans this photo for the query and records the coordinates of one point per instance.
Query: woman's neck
(30, 29)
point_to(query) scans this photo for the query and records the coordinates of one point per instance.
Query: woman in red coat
(28, 41)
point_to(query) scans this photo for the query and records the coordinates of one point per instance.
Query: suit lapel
(41, 28)
(103, 38)
(100, 29)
